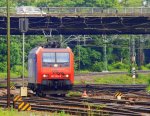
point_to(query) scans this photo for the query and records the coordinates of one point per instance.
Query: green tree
(15, 53)
(82, 57)
(131, 3)
(86, 57)
(121, 53)
(3, 52)
(107, 3)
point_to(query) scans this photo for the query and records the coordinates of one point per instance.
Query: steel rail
(83, 105)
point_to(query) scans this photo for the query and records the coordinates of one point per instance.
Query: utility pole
(140, 52)
(8, 55)
(133, 61)
(105, 56)
(79, 51)
(105, 53)
(23, 36)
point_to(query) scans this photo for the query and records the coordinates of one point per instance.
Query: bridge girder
(79, 25)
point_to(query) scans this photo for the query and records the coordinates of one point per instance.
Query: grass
(74, 94)
(4, 76)
(144, 68)
(148, 89)
(82, 71)
(120, 70)
(116, 79)
(12, 112)
(12, 75)
(123, 79)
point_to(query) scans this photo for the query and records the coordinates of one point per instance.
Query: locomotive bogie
(52, 85)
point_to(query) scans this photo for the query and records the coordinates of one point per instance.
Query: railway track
(134, 102)
(109, 87)
(87, 106)
(103, 87)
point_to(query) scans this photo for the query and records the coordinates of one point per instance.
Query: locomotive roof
(37, 49)
(34, 50)
(56, 49)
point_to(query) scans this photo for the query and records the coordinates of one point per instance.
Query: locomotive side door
(32, 68)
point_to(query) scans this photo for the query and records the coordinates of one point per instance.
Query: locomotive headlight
(45, 75)
(55, 65)
(67, 76)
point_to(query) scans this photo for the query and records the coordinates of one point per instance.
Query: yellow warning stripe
(16, 97)
(29, 108)
(25, 106)
(12, 87)
(20, 105)
(118, 94)
(20, 99)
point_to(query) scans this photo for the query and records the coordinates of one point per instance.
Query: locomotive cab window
(49, 59)
(62, 57)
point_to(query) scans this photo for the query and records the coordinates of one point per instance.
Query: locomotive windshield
(48, 57)
(62, 57)
(55, 58)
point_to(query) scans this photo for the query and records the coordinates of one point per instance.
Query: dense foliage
(86, 57)
(75, 3)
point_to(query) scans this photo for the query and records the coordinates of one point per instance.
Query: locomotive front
(54, 69)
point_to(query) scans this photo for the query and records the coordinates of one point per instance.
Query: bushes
(119, 65)
(144, 68)
(98, 66)
(3, 66)
(147, 66)
(18, 69)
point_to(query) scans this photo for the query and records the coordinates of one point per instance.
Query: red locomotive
(51, 70)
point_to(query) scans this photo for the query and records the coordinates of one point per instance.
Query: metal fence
(88, 11)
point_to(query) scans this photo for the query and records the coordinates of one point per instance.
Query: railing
(88, 11)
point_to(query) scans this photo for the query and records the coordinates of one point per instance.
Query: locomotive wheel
(43, 94)
(40, 94)
(58, 95)
(63, 95)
